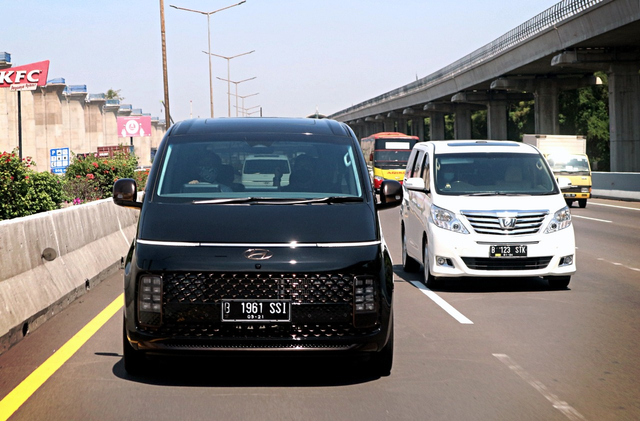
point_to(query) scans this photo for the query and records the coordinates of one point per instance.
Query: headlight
(447, 220)
(561, 220)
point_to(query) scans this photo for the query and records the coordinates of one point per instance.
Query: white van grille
(506, 222)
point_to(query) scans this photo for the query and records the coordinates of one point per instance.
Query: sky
(308, 55)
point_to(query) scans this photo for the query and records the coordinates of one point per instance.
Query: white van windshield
(249, 166)
(492, 173)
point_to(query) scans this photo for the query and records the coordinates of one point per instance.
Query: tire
(569, 203)
(559, 282)
(135, 362)
(430, 281)
(582, 203)
(409, 264)
(383, 360)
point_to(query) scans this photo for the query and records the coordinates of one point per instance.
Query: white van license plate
(256, 311)
(508, 251)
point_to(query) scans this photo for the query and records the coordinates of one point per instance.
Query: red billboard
(25, 78)
(134, 126)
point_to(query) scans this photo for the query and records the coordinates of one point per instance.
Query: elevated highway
(559, 49)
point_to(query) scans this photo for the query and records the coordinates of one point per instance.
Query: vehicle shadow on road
(530, 284)
(251, 371)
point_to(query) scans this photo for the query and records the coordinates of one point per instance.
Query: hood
(258, 223)
(551, 203)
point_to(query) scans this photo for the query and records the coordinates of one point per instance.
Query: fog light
(364, 294)
(150, 300)
(441, 261)
(566, 260)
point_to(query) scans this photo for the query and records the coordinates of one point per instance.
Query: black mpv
(258, 234)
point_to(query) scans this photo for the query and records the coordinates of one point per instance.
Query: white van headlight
(561, 220)
(447, 220)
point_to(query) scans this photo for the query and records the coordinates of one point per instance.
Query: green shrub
(99, 172)
(24, 191)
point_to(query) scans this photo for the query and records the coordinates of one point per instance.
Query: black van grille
(268, 331)
(321, 305)
(205, 288)
(517, 263)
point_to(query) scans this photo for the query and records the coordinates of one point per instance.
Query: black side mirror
(125, 193)
(390, 194)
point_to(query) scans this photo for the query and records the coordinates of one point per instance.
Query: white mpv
(482, 208)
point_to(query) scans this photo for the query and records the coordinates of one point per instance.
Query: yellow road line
(10, 403)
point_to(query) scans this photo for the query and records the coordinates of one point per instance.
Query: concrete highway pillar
(417, 127)
(624, 117)
(546, 109)
(462, 122)
(436, 126)
(497, 120)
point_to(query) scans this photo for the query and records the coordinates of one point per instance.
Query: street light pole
(228, 73)
(236, 83)
(208, 14)
(244, 110)
(165, 77)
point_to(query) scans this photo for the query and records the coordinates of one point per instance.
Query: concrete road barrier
(49, 259)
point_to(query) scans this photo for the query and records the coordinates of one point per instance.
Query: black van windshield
(265, 166)
(493, 173)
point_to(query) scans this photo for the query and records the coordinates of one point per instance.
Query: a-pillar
(624, 117)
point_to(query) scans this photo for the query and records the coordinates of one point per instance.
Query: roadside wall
(616, 185)
(89, 242)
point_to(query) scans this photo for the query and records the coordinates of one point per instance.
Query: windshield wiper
(278, 200)
(224, 200)
(497, 193)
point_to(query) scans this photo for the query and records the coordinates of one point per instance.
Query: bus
(386, 154)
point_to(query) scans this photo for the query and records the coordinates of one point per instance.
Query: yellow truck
(567, 157)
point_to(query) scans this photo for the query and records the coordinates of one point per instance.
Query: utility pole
(167, 114)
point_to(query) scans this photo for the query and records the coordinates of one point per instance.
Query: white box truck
(567, 157)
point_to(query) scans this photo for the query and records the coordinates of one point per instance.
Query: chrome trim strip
(261, 245)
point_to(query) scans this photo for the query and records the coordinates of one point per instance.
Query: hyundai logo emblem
(258, 254)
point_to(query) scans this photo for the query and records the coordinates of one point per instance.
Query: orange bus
(386, 154)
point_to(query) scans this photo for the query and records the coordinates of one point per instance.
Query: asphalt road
(472, 350)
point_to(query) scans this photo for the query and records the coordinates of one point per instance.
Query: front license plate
(256, 311)
(508, 251)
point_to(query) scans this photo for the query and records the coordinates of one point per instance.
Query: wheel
(569, 203)
(430, 281)
(409, 264)
(582, 203)
(383, 360)
(559, 282)
(134, 361)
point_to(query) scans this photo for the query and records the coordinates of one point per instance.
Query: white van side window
(425, 171)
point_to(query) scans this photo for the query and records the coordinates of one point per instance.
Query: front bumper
(469, 254)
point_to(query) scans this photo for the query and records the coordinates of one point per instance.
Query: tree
(114, 94)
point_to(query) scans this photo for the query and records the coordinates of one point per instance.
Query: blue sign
(59, 160)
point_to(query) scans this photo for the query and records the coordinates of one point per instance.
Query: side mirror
(390, 194)
(415, 183)
(564, 183)
(125, 193)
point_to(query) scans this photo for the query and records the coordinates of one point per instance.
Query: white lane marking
(614, 206)
(618, 264)
(561, 406)
(442, 303)
(591, 219)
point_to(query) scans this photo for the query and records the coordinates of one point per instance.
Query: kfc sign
(25, 78)
(137, 126)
